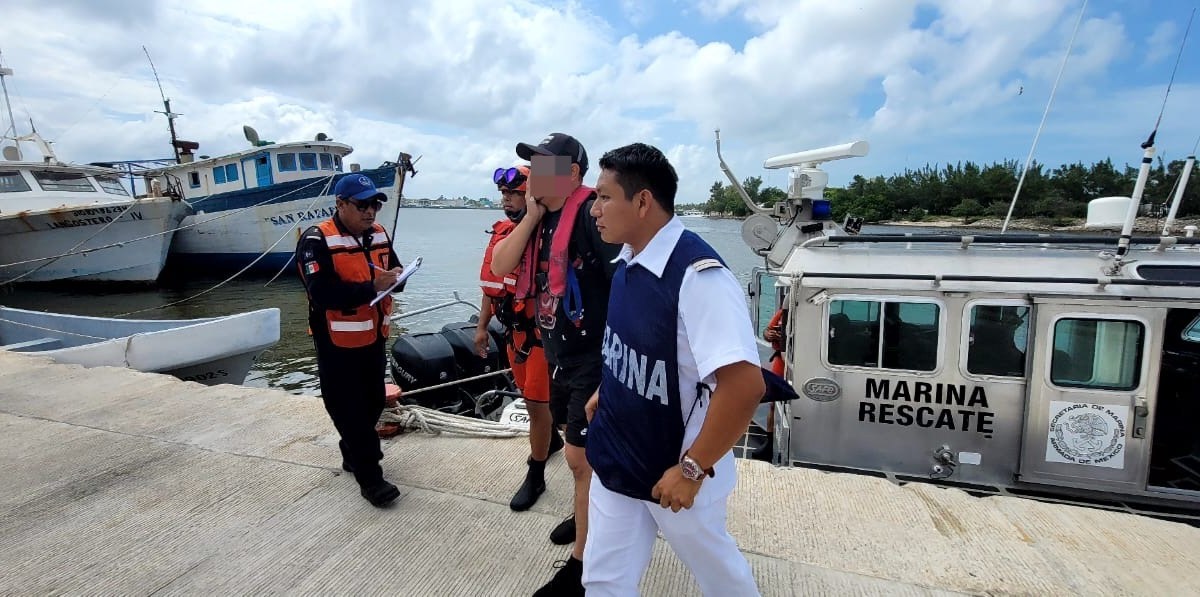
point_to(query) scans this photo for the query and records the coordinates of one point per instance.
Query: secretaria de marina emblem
(1091, 434)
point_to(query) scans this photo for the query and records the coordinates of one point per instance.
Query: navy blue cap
(357, 187)
(559, 144)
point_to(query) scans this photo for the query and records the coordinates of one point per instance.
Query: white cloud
(1161, 43)
(461, 81)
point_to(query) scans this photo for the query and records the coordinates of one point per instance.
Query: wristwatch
(692, 469)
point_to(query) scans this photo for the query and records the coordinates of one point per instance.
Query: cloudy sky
(459, 82)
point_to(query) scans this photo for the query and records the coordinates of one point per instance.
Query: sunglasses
(363, 206)
(508, 176)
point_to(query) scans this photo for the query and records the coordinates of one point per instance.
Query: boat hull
(28, 238)
(210, 351)
(259, 227)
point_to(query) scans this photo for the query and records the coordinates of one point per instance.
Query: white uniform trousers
(621, 533)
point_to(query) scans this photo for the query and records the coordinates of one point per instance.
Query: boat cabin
(37, 186)
(257, 167)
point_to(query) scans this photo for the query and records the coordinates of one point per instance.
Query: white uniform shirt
(713, 330)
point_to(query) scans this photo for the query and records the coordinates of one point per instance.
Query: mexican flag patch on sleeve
(311, 267)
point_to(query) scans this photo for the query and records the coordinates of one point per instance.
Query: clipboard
(409, 270)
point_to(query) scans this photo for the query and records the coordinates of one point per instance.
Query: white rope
(435, 422)
(324, 191)
(1049, 103)
(38, 327)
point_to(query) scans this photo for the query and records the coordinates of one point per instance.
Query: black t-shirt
(567, 343)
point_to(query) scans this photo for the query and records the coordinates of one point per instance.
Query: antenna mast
(166, 107)
(11, 122)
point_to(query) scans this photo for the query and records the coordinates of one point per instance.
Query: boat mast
(12, 123)
(1148, 155)
(1042, 125)
(166, 108)
(1179, 188)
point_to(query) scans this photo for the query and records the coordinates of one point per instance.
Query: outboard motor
(427, 359)
(496, 329)
(461, 337)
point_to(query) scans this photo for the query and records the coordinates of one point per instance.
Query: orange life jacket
(497, 286)
(502, 290)
(363, 325)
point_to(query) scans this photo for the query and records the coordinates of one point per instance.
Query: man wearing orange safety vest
(345, 262)
(524, 344)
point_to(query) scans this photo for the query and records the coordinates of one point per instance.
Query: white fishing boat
(249, 207)
(1025, 364)
(74, 222)
(211, 350)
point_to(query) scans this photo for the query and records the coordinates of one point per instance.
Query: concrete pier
(118, 482)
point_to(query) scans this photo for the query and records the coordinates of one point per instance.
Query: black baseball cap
(560, 144)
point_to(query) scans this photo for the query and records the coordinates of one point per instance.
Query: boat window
(231, 172)
(997, 340)
(219, 174)
(903, 334)
(1170, 273)
(1096, 353)
(112, 185)
(326, 161)
(308, 161)
(1191, 333)
(64, 181)
(337, 163)
(194, 179)
(287, 162)
(765, 299)
(12, 182)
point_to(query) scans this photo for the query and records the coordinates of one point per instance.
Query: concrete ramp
(118, 482)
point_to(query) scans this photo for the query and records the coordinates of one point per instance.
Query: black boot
(380, 493)
(556, 442)
(534, 486)
(567, 582)
(564, 533)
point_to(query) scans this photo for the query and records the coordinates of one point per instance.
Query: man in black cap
(344, 262)
(566, 268)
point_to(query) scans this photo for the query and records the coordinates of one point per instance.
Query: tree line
(967, 190)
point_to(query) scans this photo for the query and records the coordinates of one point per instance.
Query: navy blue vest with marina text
(637, 431)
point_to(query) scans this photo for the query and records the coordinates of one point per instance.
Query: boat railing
(938, 279)
(457, 301)
(966, 240)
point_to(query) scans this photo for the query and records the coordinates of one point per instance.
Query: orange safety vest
(363, 325)
(497, 286)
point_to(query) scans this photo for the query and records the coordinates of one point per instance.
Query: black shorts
(571, 385)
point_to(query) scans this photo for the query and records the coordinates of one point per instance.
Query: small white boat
(211, 351)
(74, 222)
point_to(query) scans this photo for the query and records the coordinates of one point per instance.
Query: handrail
(1003, 239)
(457, 301)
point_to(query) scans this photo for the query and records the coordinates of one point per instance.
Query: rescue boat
(1046, 365)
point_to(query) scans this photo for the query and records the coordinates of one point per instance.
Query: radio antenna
(166, 107)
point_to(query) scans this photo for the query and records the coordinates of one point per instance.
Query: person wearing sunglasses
(522, 339)
(566, 268)
(344, 262)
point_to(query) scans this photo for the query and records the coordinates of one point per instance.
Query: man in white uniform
(680, 383)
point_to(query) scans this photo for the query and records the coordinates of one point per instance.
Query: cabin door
(262, 169)
(1092, 389)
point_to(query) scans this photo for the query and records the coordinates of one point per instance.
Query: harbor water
(450, 242)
